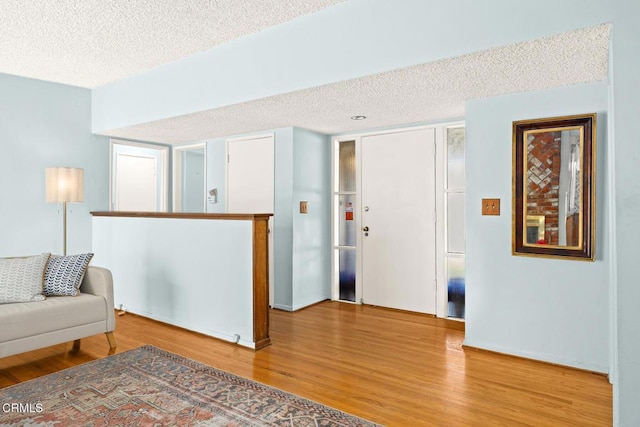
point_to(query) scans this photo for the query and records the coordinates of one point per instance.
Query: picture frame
(554, 176)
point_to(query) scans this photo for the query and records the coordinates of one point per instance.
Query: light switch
(490, 206)
(303, 207)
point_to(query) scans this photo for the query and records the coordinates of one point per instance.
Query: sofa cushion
(33, 318)
(21, 279)
(63, 275)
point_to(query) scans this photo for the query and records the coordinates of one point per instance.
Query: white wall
(348, 40)
(47, 124)
(546, 309)
(626, 294)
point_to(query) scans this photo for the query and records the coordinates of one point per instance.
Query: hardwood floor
(394, 368)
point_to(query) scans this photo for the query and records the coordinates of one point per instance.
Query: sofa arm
(98, 281)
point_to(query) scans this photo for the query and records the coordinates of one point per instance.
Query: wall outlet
(303, 207)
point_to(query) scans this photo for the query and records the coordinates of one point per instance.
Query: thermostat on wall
(213, 196)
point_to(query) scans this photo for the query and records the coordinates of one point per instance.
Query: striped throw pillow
(64, 274)
(21, 278)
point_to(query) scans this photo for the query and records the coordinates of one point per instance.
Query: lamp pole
(64, 228)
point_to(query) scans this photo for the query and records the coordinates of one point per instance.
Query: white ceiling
(92, 42)
(89, 43)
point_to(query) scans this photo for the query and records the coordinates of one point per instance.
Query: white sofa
(30, 325)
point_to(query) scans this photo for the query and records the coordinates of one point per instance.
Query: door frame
(140, 148)
(440, 225)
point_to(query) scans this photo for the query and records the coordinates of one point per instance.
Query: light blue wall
(547, 309)
(187, 272)
(283, 219)
(351, 39)
(41, 125)
(361, 37)
(216, 172)
(312, 231)
(193, 180)
(626, 110)
(283, 215)
(301, 244)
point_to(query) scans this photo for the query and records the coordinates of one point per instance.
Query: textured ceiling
(422, 93)
(92, 42)
(88, 43)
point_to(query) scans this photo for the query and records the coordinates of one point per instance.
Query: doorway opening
(139, 176)
(189, 166)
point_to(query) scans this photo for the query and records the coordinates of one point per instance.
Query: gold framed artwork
(554, 187)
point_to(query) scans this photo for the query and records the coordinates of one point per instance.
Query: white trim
(441, 230)
(610, 199)
(282, 307)
(252, 136)
(358, 218)
(163, 195)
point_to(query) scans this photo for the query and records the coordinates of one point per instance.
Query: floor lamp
(64, 185)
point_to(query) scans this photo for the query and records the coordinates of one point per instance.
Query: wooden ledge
(184, 215)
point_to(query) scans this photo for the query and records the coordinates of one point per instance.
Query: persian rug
(148, 386)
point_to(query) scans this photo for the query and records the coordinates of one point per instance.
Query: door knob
(365, 229)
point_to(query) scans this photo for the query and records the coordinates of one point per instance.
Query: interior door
(398, 220)
(138, 176)
(250, 183)
(250, 175)
(136, 180)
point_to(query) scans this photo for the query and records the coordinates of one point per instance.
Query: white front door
(398, 220)
(250, 183)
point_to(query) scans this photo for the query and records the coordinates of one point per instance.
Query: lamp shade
(64, 185)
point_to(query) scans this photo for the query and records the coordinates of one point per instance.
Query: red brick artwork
(543, 180)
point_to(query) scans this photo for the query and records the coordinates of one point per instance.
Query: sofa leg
(76, 346)
(111, 339)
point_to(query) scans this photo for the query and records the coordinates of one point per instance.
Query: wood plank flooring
(391, 367)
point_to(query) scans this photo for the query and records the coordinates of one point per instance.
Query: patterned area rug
(152, 387)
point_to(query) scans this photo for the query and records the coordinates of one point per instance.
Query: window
(345, 240)
(454, 256)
